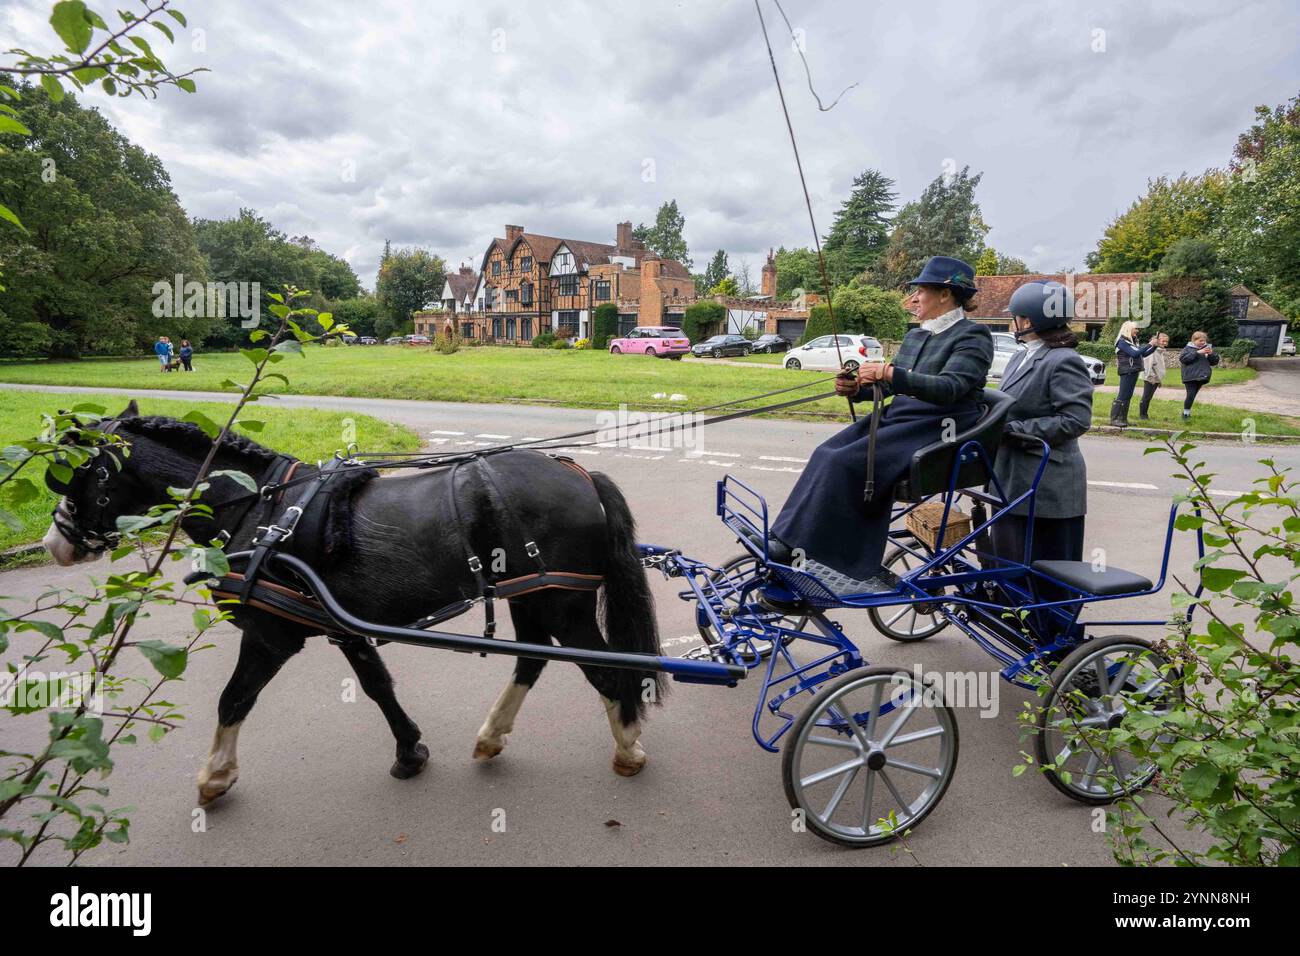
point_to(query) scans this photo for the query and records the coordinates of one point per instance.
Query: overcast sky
(434, 124)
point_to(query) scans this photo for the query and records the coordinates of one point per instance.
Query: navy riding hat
(1047, 305)
(947, 272)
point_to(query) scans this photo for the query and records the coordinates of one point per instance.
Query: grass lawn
(1222, 376)
(303, 433)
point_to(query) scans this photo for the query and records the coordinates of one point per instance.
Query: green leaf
(52, 87)
(251, 424)
(165, 30)
(290, 346)
(70, 22)
(243, 478)
(8, 125)
(167, 659)
(210, 428)
(188, 86)
(1200, 780)
(177, 16)
(1217, 579)
(256, 356)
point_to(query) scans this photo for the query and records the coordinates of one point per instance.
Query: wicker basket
(924, 520)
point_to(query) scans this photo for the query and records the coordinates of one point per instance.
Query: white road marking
(714, 454)
(1126, 484)
(684, 639)
(490, 435)
(1227, 494)
(439, 431)
(705, 461)
(793, 461)
(793, 471)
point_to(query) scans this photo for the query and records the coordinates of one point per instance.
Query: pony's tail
(626, 605)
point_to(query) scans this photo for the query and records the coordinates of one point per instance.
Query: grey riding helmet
(1047, 305)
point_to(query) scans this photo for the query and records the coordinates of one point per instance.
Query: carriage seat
(1084, 578)
(932, 465)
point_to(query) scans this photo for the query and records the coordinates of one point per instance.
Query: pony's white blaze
(60, 548)
(629, 757)
(500, 721)
(222, 769)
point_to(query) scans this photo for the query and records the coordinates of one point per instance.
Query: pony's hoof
(409, 765)
(212, 786)
(485, 748)
(629, 766)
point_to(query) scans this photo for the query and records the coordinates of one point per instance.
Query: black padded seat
(1081, 576)
(931, 467)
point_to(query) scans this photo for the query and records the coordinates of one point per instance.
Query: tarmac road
(314, 787)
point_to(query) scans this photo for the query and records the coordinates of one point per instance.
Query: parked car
(367, 340)
(1288, 346)
(821, 353)
(720, 345)
(771, 344)
(417, 340)
(393, 340)
(1004, 347)
(663, 341)
(1096, 369)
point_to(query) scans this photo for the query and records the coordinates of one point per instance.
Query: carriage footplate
(841, 585)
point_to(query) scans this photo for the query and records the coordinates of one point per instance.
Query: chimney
(513, 233)
(769, 276)
(466, 270)
(623, 231)
(650, 309)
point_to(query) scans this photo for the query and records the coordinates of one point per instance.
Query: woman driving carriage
(937, 379)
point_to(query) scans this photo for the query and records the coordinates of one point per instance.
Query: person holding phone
(1198, 358)
(1153, 373)
(1128, 362)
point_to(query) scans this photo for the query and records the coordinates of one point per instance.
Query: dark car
(721, 345)
(771, 344)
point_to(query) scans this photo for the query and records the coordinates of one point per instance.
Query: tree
(702, 319)
(862, 307)
(1171, 209)
(993, 263)
(604, 325)
(796, 269)
(744, 278)
(1191, 294)
(727, 287)
(360, 314)
(819, 323)
(665, 237)
(860, 232)
(946, 220)
(409, 280)
(1259, 228)
(101, 226)
(715, 273)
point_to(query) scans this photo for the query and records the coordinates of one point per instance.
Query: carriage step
(841, 585)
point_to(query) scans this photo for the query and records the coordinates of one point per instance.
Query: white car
(1005, 346)
(1288, 346)
(821, 353)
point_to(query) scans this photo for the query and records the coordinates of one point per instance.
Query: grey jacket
(1196, 367)
(1053, 402)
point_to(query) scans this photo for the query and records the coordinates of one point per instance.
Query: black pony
(389, 553)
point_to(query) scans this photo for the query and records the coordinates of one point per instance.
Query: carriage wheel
(907, 622)
(1091, 690)
(738, 568)
(873, 743)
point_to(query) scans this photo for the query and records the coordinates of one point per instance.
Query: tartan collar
(944, 322)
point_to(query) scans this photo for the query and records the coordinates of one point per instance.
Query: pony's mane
(187, 436)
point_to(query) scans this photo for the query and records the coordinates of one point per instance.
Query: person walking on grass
(1197, 359)
(1129, 356)
(162, 348)
(1153, 374)
(187, 355)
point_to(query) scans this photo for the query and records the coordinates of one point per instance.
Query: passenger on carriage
(1053, 393)
(936, 380)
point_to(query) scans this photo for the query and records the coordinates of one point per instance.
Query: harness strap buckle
(475, 564)
(531, 549)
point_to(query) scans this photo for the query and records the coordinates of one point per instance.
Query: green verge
(304, 433)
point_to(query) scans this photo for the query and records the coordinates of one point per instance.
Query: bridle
(82, 529)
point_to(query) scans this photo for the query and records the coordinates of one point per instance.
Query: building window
(496, 328)
(568, 285)
(512, 295)
(567, 320)
(526, 293)
(496, 267)
(602, 290)
(467, 330)
(510, 328)
(526, 264)
(525, 328)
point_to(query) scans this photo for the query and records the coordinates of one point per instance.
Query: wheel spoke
(902, 804)
(935, 773)
(835, 742)
(1120, 677)
(865, 736)
(935, 731)
(913, 629)
(830, 772)
(842, 789)
(867, 799)
(902, 611)
(897, 725)
(1094, 761)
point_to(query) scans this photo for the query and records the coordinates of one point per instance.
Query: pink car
(663, 341)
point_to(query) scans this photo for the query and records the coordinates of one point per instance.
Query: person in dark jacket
(1197, 359)
(187, 355)
(1128, 362)
(937, 380)
(1053, 393)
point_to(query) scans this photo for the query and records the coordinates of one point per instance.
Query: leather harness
(250, 587)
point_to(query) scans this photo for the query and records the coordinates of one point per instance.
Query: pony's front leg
(491, 739)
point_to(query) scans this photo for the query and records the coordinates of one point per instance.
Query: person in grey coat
(1197, 360)
(1053, 395)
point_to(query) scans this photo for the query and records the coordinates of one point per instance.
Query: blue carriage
(874, 749)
